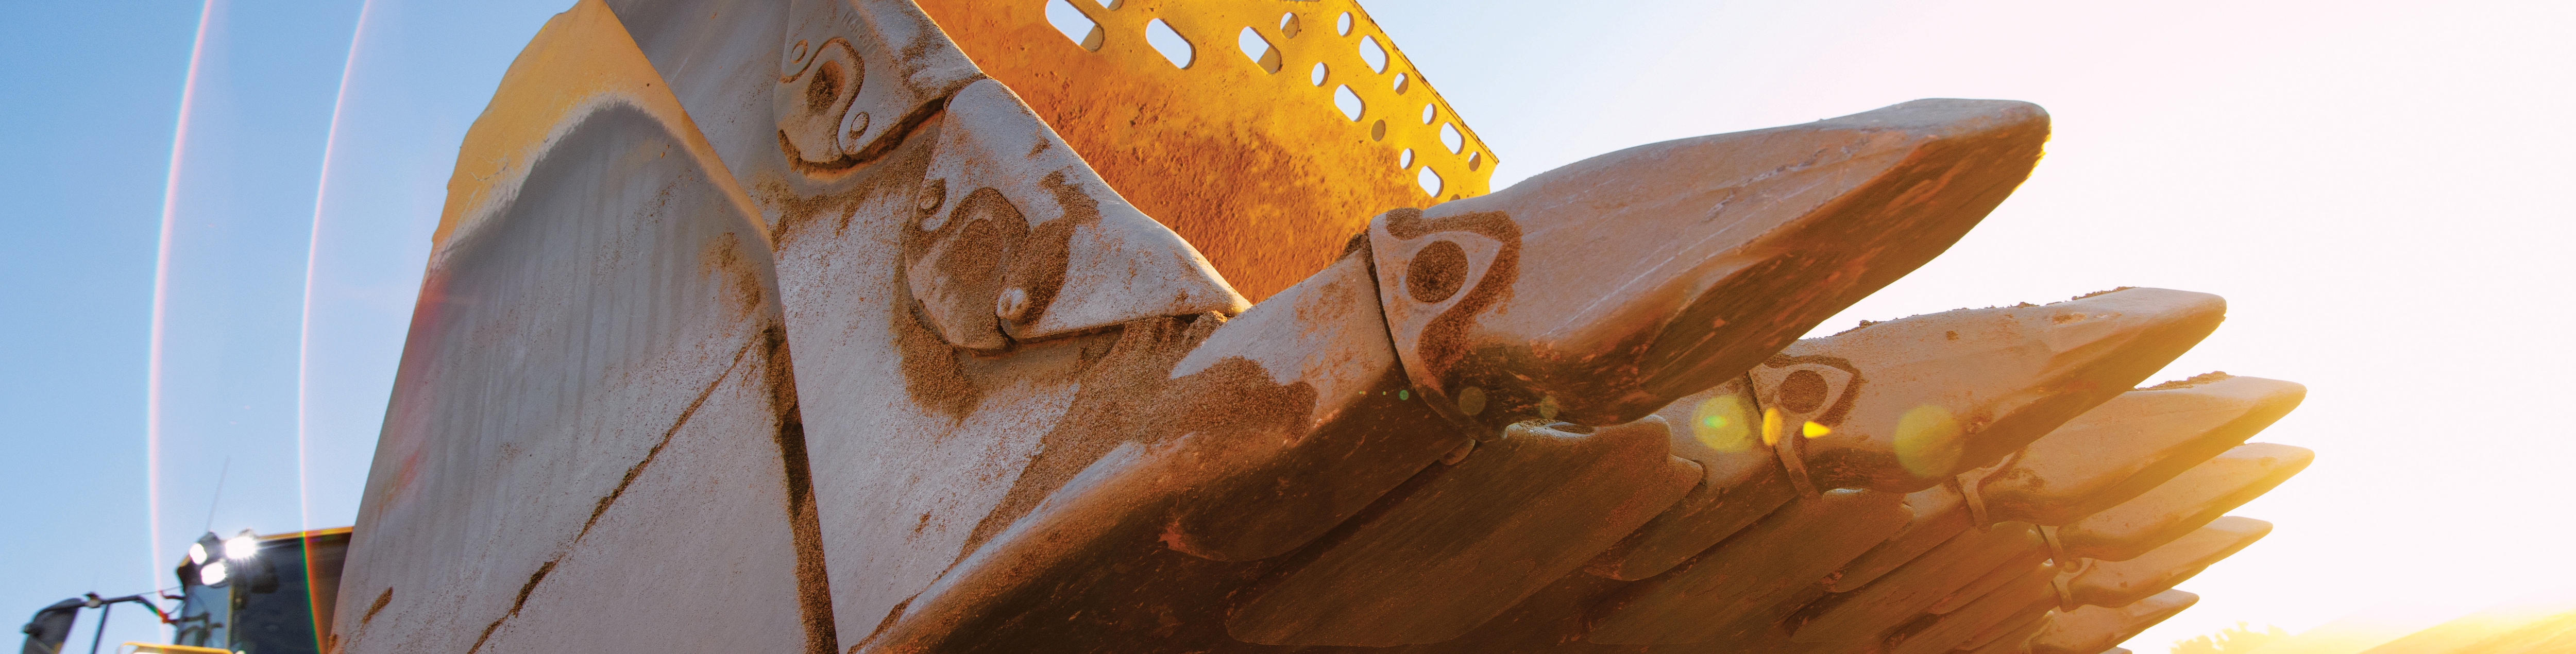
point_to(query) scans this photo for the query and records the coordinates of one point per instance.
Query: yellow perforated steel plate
(1242, 150)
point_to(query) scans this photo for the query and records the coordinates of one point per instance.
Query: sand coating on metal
(582, 58)
(1247, 157)
(1022, 415)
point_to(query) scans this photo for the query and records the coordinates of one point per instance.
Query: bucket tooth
(2118, 583)
(1906, 404)
(1915, 587)
(2010, 569)
(1756, 569)
(2131, 444)
(2096, 629)
(1939, 513)
(2186, 503)
(2027, 595)
(1599, 292)
(1740, 484)
(1892, 407)
(2007, 637)
(1299, 418)
(1473, 538)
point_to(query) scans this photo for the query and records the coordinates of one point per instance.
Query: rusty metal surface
(1250, 162)
(1037, 419)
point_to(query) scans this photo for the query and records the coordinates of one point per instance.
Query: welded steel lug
(1016, 240)
(1504, 307)
(983, 319)
(854, 77)
(2131, 444)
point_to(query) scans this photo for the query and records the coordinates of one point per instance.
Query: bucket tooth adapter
(850, 326)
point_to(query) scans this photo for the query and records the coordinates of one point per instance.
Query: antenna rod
(219, 493)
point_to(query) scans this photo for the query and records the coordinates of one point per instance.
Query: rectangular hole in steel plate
(1348, 102)
(1257, 49)
(1076, 26)
(1173, 46)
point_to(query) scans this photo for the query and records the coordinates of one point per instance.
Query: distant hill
(2521, 628)
(2508, 631)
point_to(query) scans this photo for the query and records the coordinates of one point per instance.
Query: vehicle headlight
(197, 553)
(213, 573)
(241, 547)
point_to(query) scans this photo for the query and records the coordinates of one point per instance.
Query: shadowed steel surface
(592, 404)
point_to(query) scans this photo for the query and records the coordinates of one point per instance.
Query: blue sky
(130, 178)
(2376, 187)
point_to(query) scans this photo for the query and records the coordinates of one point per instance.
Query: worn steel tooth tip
(2192, 499)
(1892, 407)
(2132, 444)
(2095, 629)
(1510, 306)
(1889, 407)
(2119, 583)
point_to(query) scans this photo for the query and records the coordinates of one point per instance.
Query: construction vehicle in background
(248, 594)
